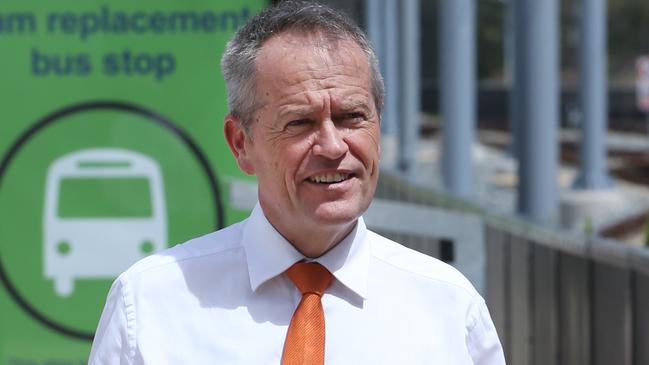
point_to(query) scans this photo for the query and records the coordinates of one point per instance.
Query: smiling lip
(329, 177)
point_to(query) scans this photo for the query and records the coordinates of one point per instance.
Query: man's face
(314, 142)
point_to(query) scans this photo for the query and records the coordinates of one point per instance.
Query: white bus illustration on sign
(104, 209)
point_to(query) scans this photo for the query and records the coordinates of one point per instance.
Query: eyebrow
(296, 110)
(354, 104)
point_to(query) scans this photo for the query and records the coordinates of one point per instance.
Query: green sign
(111, 148)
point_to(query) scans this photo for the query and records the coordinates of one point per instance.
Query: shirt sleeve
(482, 339)
(114, 340)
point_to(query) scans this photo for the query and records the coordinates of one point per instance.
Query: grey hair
(238, 61)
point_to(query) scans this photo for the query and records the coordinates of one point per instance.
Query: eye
(297, 122)
(353, 117)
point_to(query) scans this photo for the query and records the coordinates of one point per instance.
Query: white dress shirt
(223, 299)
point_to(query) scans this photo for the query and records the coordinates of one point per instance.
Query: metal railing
(555, 297)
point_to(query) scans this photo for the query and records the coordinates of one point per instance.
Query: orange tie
(305, 339)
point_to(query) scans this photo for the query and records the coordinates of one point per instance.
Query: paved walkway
(495, 182)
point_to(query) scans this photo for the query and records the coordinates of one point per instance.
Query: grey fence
(555, 298)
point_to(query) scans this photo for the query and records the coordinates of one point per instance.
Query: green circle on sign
(146, 247)
(63, 247)
(106, 180)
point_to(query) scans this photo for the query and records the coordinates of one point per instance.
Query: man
(304, 95)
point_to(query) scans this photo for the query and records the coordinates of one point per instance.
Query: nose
(329, 141)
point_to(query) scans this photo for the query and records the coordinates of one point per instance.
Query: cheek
(287, 160)
(297, 150)
(365, 143)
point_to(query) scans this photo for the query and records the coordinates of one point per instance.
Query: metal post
(390, 68)
(411, 94)
(593, 96)
(374, 26)
(510, 76)
(537, 83)
(457, 93)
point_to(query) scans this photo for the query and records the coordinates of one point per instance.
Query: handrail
(556, 297)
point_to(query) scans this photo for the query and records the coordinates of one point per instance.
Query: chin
(338, 213)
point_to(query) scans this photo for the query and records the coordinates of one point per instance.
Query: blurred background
(515, 146)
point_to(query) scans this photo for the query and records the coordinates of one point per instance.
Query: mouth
(329, 178)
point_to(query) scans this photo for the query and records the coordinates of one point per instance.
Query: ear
(238, 142)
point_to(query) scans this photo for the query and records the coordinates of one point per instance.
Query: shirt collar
(269, 254)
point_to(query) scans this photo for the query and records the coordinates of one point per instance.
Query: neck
(313, 240)
(315, 243)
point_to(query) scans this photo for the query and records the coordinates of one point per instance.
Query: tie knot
(309, 277)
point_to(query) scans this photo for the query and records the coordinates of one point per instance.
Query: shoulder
(420, 267)
(215, 245)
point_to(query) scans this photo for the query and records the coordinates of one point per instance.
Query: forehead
(290, 61)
